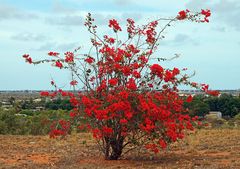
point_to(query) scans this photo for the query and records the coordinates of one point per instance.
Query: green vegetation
(228, 105)
(28, 121)
(58, 104)
(55, 104)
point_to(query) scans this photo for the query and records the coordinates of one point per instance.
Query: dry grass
(204, 149)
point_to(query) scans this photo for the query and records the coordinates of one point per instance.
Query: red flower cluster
(113, 81)
(182, 14)
(58, 64)
(69, 57)
(156, 69)
(131, 84)
(109, 39)
(185, 14)
(151, 33)
(115, 25)
(131, 27)
(27, 58)
(206, 13)
(62, 130)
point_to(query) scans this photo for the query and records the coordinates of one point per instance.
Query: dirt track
(205, 149)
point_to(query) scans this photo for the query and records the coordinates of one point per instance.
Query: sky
(36, 27)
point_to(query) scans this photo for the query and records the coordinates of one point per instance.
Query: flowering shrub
(126, 100)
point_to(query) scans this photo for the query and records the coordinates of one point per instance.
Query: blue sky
(39, 26)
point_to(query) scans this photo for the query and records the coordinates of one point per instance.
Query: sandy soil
(204, 149)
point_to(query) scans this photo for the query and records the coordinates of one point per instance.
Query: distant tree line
(227, 104)
(44, 103)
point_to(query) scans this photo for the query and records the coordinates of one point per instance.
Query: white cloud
(228, 12)
(10, 12)
(67, 20)
(25, 36)
(58, 7)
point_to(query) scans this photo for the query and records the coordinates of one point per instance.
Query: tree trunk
(116, 147)
(107, 147)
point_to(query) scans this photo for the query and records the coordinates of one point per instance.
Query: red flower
(130, 26)
(162, 143)
(168, 76)
(53, 94)
(53, 53)
(56, 132)
(109, 39)
(206, 20)
(195, 118)
(205, 87)
(107, 130)
(89, 60)
(143, 59)
(206, 12)
(182, 15)
(102, 86)
(213, 92)
(131, 84)
(176, 71)
(59, 64)
(73, 83)
(157, 70)
(150, 85)
(115, 25)
(126, 71)
(25, 56)
(189, 99)
(64, 94)
(152, 147)
(52, 82)
(113, 81)
(69, 57)
(151, 35)
(44, 93)
(29, 60)
(133, 49)
(136, 74)
(72, 114)
(96, 133)
(128, 115)
(123, 121)
(86, 101)
(123, 94)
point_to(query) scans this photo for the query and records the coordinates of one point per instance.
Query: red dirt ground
(204, 149)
